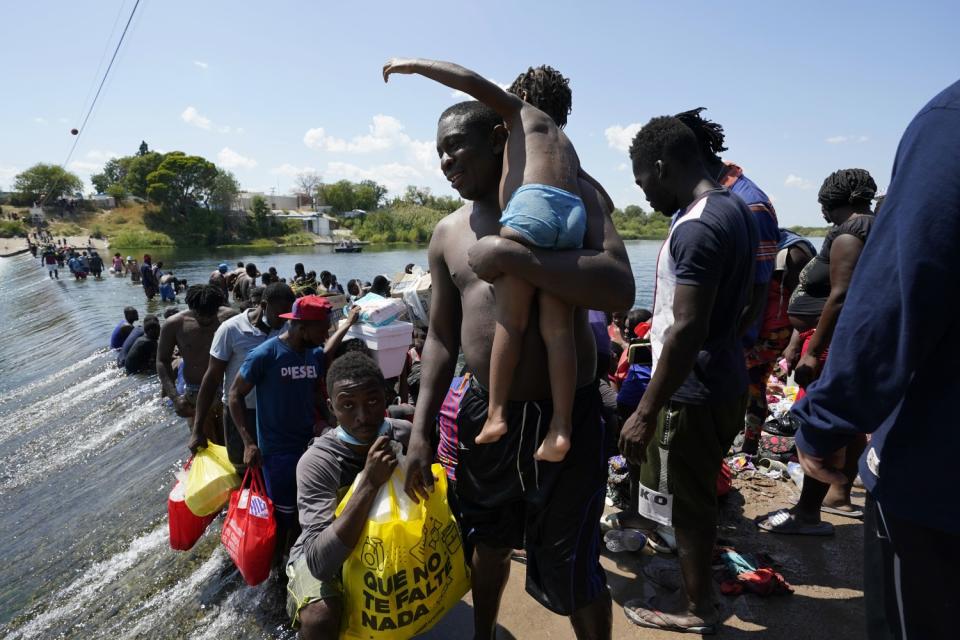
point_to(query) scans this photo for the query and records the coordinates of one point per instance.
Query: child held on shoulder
(542, 207)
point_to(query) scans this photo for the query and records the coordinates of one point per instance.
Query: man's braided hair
(709, 134)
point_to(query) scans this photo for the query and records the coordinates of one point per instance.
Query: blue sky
(268, 89)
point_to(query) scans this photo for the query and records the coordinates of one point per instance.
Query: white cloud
(40, 120)
(796, 182)
(200, 64)
(463, 96)
(287, 169)
(623, 166)
(230, 159)
(394, 176)
(846, 139)
(385, 133)
(62, 120)
(619, 137)
(92, 162)
(191, 116)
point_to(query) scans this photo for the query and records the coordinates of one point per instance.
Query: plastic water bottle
(619, 540)
(796, 473)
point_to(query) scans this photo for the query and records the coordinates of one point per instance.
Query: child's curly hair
(545, 88)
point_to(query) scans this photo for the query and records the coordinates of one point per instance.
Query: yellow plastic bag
(210, 480)
(408, 570)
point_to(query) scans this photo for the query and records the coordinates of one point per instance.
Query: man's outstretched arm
(456, 77)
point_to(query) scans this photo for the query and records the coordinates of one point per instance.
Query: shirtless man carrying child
(542, 207)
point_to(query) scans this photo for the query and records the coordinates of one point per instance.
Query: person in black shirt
(143, 354)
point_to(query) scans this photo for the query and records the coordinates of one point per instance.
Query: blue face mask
(346, 438)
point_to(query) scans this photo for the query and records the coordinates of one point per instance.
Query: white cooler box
(389, 344)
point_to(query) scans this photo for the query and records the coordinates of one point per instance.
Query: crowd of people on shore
(534, 371)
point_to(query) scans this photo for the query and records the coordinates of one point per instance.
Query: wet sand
(826, 574)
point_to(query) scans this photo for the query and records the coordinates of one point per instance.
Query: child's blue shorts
(548, 217)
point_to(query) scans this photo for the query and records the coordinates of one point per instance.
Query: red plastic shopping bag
(249, 532)
(185, 528)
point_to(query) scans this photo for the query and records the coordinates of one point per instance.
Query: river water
(88, 456)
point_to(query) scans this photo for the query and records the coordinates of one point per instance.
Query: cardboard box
(339, 303)
(404, 285)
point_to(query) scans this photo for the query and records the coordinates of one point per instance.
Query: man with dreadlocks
(815, 306)
(192, 331)
(693, 406)
(766, 334)
(542, 207)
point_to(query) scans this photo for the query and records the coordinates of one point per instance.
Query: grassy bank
(135, 227)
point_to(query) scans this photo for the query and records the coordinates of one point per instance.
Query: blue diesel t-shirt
(286, 382)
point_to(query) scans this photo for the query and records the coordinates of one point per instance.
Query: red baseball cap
(309, 308)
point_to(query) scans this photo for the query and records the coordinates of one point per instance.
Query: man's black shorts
(508, 500)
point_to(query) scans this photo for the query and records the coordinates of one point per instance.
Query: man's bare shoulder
(449, 225)
(226, 313)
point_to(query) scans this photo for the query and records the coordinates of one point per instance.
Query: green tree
(139, 168)
(181, 183)
(339, 195)
(114, 172)
(46, 182)
(416, 195)
(368, 195)
(261, 214)
(224, 191)
(118, 191)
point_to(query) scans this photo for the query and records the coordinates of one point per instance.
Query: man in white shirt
(232, 342)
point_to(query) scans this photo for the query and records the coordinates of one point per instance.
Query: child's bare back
(537, 152)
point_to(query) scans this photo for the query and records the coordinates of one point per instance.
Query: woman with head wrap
(815, 306)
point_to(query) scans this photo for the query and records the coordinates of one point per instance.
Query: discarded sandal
(784, 522)
(643, 614)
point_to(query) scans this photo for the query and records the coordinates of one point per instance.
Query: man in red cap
(287, 371)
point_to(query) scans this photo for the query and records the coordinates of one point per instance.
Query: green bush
(296, 239)
(12, 229)
(141, 239)
(633, 223)
(400, 222)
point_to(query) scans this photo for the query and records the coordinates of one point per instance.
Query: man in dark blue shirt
(693, 406)
(287, 371)
(892, 372)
